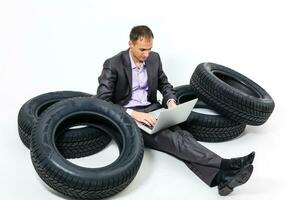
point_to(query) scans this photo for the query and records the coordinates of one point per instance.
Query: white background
(61, 45)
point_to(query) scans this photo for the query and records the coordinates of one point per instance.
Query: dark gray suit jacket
(115, 81)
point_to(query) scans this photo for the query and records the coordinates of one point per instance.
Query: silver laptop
(169, 117)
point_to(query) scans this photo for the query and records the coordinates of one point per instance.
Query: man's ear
(130, 43)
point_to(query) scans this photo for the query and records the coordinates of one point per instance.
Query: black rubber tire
(74, 143)
(82, 182)
(205, 127)
(232, 94)
(77, 143)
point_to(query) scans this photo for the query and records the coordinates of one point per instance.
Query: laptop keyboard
(155, 115)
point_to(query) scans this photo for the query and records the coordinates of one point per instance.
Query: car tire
(207, 127)
(74, 143)
(232, 94)
(83, 182)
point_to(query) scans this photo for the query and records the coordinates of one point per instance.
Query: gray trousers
(181, 144)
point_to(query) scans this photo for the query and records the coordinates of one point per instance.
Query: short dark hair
(140, 32)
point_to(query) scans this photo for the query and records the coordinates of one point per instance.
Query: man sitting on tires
(131, 79)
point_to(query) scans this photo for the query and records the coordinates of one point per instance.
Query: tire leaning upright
(232, 94)
(207, 127)
(83, 182)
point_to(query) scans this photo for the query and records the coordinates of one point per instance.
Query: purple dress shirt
(139, 85)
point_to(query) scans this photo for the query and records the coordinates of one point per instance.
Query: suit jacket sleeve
(164, 86)
(107, 81)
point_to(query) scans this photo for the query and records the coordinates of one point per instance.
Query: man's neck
(137, 62)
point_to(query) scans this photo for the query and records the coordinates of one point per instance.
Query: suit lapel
(149, 75)
(128, 71)
(127, 68)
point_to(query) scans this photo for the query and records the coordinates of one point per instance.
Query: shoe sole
(252, 157)
(239, 179)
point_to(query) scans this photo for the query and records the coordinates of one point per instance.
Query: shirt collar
(133, 65)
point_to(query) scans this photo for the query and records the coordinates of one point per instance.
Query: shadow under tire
(205, 127)
(73, 143)
(232, 94)
(82, 182)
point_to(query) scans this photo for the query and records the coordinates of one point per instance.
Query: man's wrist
(171, 100)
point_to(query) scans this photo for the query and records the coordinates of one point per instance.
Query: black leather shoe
(230, 179)
(238, 163)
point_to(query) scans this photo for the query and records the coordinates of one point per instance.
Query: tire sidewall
(211, 68)
(43, 139)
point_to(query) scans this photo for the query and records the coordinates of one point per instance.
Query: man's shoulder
(154, 55)
(118, 59)
(153, 58)
(119, 56)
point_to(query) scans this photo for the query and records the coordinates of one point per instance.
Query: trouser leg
(205, 173)
(181, 144)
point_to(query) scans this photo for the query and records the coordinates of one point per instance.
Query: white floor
(60, 45)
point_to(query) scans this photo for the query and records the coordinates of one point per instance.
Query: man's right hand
(145, 118)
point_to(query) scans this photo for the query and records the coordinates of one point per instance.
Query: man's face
(141, 49)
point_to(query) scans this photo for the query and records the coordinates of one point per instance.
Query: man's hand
(171, 103)
(144, 118)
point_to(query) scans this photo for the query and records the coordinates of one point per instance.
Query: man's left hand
(171, 103)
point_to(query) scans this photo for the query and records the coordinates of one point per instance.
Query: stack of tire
(61, 125)
(238, 100)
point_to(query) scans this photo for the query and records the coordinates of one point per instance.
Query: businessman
(131, 79)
